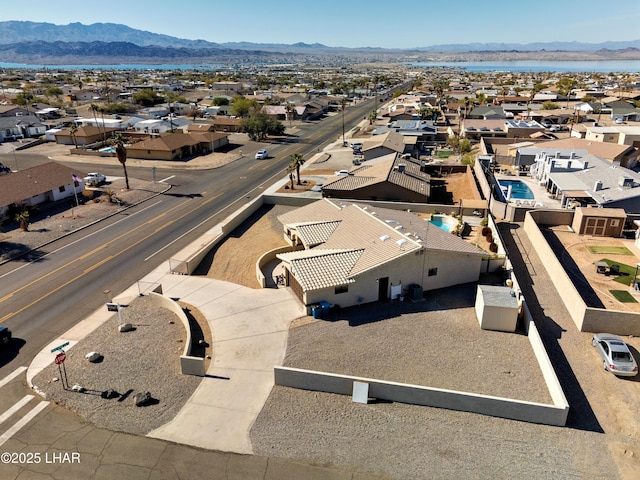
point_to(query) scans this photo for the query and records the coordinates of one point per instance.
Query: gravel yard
(436, 343)
(146, 359)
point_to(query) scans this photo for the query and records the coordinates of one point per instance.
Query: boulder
(142, 399)
(94, 357)
(125, 327)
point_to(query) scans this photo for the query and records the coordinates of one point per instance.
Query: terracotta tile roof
(27, 183)
(357, 239)
(322, 268)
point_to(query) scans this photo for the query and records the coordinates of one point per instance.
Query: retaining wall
(188, 365)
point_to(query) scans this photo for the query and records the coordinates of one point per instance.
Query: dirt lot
(577, 247)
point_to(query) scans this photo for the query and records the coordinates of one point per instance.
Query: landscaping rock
(142, 399)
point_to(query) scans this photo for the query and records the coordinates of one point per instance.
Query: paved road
(41, 300)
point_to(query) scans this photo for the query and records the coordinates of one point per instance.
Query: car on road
(262, 154)
(94, 179)
(616, 356)
(5, 335)
(341, 172)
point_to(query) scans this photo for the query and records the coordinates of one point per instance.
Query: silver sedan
(616, 357)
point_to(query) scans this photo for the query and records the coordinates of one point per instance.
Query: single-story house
(175, 146)
(586, 180)
(84, 135)
(32, 186)
(227, 124)
(390, 177)
(348, 254)
(380, 145)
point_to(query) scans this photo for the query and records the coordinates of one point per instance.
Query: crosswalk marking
(22, 422)
(11, 376)
(17, 406)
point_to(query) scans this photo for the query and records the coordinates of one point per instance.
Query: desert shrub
(489, 238)
(486, 231)
(484, 222)
(493, 247)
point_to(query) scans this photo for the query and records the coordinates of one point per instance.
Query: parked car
(356, 145)
(94, 179)
(261, 154)
(619, 121)
(616, 357)
(5, 335)
(556, 128)
(341, 172)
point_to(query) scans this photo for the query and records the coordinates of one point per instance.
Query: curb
(2, 262)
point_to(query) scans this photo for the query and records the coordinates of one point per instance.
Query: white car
(94, 179)
(341, 172)
(616, 357)
(262, 154)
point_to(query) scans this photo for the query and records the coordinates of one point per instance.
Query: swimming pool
(108, 150)
(519, 189)
(444, 222)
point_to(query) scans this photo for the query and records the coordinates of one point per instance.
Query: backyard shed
(599, 222)
(497, 308)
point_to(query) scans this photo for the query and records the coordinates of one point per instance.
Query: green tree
(147, 98)
(565, 85)
(121, 154)
(296, 161)
(242, 106)
(373, 115)
(219, 101)
(54, 92)
(258, 125)
(464, 146)
(588, 98)
(468, 159)
(549, 105)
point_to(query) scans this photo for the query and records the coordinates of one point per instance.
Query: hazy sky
(353, 23)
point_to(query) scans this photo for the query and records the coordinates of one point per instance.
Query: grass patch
(609, 249)
(623, 296)
(626, 272)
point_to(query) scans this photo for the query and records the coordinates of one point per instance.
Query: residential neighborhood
(501, 208)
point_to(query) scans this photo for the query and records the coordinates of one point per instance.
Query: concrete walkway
(249, 329)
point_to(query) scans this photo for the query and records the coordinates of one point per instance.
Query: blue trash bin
(316, 311)
(326, 307)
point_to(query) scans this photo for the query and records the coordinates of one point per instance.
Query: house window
(433, 272)
(614, 223)
(61, 189)
(341, 289)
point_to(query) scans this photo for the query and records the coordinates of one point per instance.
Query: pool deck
(541, 198)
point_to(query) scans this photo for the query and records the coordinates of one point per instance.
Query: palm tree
(297, 160)
(289, 108)
(121, 153)
(22, 217)
(343, 105)
(72, 132)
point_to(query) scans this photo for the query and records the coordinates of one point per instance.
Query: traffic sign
(60, 358)
(59, 347)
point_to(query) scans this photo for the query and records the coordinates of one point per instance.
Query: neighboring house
(522, 128)
(624, 110)
(349, 254)
(84, 135)
(22, 126)
(390, 178)
(227, 124)
(380, 145)
(176, 146)
(476, 129)
(13, 111)
(620, 134)
(487, 113)
(32, 186)
(623, 155)
(586, 180)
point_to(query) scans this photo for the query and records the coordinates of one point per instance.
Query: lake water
(603, 66)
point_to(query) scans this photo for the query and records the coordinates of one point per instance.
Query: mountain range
(39, 42)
